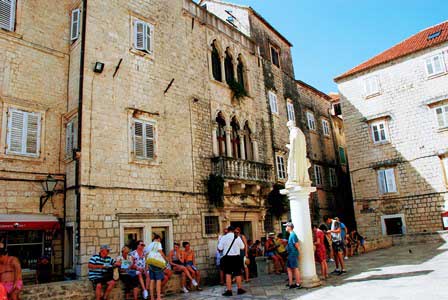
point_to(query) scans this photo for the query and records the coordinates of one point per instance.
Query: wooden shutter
(390, 181)
(148, 38)
(7, 14)
(139, 35)
(382, 182)
(149, 140)
(138, 139)
(15, 131)
(33, 133)
(74, 28)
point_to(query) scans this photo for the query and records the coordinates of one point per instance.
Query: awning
(28, 222)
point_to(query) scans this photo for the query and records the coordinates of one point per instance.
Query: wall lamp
(99, 67)
(48, 186)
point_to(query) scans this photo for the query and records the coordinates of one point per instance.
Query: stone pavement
(401, 272)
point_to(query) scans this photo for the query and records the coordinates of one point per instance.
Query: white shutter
(138, 140)
(149, 140)
(273, 102)
(148, 38)
(33, 133)
(139, 35)
(390, 180)
(74, 28)
(7, 14)
(382, 182)
(16, 132)
(75, 133)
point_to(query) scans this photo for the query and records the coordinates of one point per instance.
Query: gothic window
(221, 134)
(228, 65)
(235, 138)
(248, 143)
(216, 63)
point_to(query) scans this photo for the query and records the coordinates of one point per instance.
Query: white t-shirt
(226, 241)
(153, 247)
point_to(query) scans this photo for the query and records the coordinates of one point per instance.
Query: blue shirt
(343, 229)
(293, 239)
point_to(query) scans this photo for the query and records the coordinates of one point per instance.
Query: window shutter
(139, 35)
(382, 182)
(148, 38)
(439, 114)
(149, 143)
(429, 67)
(7, 14)
(273, 102)
(390, 180)
(74, 28)
(33, 133)
(437, 64)
(69, 139)
(290, 108)
(75, 133)
(15, 131)
(138, 139)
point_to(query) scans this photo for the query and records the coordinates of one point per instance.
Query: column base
(311, 282)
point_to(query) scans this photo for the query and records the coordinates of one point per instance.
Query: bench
(265, 265)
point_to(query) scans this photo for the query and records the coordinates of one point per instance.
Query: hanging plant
(238, 89)
(278, 204)
(215, 187)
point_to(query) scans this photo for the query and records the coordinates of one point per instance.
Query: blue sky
(333, 36)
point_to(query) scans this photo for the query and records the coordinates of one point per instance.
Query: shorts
(103, 281)
(156, 273)
(231, 265)
(130, 282)
(190, 264)
(9, 286)
(269, 253)
(292, 262)
(362, 242)
(338, 246)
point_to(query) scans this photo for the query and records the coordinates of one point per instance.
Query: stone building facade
(134, 120)
(395, 119)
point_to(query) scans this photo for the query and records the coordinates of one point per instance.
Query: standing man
(231, 245)
(338, 247)
(344, 234)
(100, 272)
(10, 274)
(292, 262)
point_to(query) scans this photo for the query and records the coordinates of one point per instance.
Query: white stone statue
(298, 163)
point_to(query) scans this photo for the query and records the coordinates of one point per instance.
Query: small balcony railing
(232, 168)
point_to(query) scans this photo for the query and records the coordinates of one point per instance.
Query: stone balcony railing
(231, 168)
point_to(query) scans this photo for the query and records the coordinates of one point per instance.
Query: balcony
(231, 168)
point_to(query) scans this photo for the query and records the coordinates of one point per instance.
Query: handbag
(116, 274)
(155, 259)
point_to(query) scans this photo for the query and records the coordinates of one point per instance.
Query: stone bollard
(262, 265)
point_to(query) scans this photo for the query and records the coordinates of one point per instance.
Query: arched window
(240, 72)
(248, 142)
(228, 66)
(221, 134)
(216, 63)
(235, 138)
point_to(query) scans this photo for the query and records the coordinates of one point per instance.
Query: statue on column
(298, 163)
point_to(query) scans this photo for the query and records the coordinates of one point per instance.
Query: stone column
(215, 140)
(300, 216)
(255, 150)
(228, 141)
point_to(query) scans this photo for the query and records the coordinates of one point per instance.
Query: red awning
(28, 222)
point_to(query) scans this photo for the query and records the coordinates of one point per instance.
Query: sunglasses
(142, 245)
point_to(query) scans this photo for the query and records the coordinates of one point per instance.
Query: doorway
(163, 233)
(132, 235)
(246, 228)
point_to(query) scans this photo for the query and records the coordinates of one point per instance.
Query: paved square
(401, 272)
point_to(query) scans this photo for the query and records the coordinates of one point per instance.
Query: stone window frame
(273, 102)
(311, 121)
(278, 51)
(444, 108)
(318, 175)
(377, 123)
(333, 179)
(280, 167)
(383, 222)
(325, 127)
(444, 162)
(387, 172)
(145, 117)
(147, 224)
(71, 137)
(342, 161)
(36, 109)
(431, 59)
(372, 86)
(133, 18)
(17, 32)
(290, 110)
(204, 231)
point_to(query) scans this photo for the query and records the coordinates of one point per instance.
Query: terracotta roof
(413, 44)
(313, 90)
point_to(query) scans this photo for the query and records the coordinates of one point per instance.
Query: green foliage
(238, 89)
(215, 186)
(277, 203)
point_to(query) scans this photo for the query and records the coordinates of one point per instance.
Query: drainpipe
(80, 106)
